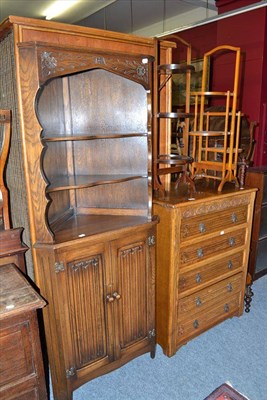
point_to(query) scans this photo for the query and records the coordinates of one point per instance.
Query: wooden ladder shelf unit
(215, 153)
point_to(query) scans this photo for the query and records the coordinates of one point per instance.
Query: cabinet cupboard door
(134, 282)
(81, 291)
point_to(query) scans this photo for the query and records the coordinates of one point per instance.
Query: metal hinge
(70, 372)
(152, 333)
(151, 240)
(59, 266)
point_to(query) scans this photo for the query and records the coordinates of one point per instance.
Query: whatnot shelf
(163, 117)
(174, 115)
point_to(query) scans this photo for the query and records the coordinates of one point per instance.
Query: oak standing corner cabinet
(83, 104)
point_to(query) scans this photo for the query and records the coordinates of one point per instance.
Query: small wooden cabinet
(202, 257)
(257, 177)
(21, 371)
(106, 288)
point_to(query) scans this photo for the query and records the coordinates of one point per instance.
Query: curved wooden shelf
(174, 115)
(175, 68)
(79, 137)
(84, 181)
(173, 159)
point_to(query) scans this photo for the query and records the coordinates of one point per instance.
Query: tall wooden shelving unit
(164, 162)
(84, 100)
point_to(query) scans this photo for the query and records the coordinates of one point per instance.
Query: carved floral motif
(132, 250)
(84, 264)
(59, 62)
(201, 209)
(48, 62)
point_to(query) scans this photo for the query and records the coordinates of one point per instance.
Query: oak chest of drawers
(202, 257)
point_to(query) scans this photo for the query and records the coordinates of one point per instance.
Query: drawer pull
(198, 278)
(232, 241)
(234, 218)
(116, 296)
(226, 308)
(230, 264)
(202, 228)
(195, 324)
(198, 302)
(110, 298)
(200, 253)
(229, 287)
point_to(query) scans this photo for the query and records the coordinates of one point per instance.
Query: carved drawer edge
(218, 205)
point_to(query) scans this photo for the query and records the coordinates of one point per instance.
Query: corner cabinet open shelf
(81, 115)
(92, 139)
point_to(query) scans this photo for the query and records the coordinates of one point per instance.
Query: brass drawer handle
(110, 298)
(202, 228)
(195, 324)
(226, 308)
(230, 264)
(234, 218)
(198, 278)
(116, 296)
(232, 241)
(200, 253)
(229, 287)
(198, 302)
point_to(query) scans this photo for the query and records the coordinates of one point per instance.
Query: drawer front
(207, 299)
(16, 340)
(207, 248)
(202, 322)
(205, 273)
(198, 318)
(209, 223)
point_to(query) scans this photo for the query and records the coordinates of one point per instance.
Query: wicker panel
(14, 173)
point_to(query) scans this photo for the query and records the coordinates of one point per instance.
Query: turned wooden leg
(248, 293)
(248, 298)
(243, 165)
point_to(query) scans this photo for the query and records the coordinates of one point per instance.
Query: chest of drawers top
(207, 211)
(204, 201)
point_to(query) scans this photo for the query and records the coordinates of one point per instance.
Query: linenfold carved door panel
(133, 277)
(81, 285)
